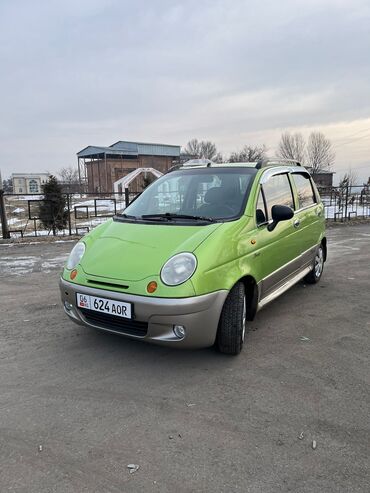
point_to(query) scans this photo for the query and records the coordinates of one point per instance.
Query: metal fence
(346, 202)
(83, 212)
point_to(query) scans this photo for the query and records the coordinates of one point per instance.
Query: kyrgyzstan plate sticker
(112, 307)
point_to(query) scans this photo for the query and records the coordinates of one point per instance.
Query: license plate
(112, 307)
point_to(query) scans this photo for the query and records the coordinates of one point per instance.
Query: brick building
(100, 167)
(323, 179)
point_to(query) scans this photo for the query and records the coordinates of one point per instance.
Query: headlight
(76, 255)
(178, 269)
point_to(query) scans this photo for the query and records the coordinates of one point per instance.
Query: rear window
(306, 195)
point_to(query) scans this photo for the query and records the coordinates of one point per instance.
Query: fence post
(4, 222)
(53, 216)
(346, 204)
(127, 197)
(69, 215)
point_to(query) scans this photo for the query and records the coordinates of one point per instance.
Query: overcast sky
(91, 72)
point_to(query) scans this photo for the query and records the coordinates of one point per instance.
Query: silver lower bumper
(198, 314)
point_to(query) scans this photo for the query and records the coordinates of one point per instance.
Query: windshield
(206, 193)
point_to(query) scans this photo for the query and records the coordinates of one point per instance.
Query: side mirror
(279, 213)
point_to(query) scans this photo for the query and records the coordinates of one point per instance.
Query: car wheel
(318, 266)
(231, 327)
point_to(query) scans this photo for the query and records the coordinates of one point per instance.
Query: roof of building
(28, 175)
(125, 148)
(322, 172)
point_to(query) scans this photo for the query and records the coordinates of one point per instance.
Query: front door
(277, 249)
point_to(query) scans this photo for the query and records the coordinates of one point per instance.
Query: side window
(278, 192)
(261, 216)
(306, 196)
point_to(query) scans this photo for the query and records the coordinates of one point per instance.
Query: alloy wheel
(319, 262)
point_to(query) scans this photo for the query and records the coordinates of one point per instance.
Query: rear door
(309, 215)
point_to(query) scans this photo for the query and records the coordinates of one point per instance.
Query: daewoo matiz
(194, 257)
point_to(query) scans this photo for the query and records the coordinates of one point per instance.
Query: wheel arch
(251, 295)
(324, 246)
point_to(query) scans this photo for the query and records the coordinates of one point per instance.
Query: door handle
(296, 223)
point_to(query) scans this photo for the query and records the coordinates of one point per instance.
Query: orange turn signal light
(151, 287)
(73, 274)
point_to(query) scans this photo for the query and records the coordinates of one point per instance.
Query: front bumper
(198, 314)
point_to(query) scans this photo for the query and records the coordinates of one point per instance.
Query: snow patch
(17, 265)
(14, 220)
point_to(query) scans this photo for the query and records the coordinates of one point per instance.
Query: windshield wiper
(172, 215)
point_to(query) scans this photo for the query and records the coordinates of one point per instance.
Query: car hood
(133, 251)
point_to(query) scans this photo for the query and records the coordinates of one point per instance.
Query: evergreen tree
(8, 185)
(52, 208)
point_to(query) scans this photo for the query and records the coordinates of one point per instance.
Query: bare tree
(320, 155)
(192, 148)
(248, 154)
(292, 146)
(208, 150)
(68, 179)
(350, 178)
(68, 175)
(203, 149)
(218, 158)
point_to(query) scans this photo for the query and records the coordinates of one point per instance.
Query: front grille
(107, 284)
(119, 324)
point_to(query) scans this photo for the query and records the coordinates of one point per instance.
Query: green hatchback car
(198, 253)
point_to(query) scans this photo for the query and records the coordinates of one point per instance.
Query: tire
(318, 266)
(231, 327)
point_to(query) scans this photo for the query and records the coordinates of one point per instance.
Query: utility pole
(4, 222)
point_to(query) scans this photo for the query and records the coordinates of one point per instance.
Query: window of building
(277, 191)
(33, 186)
(306, 196)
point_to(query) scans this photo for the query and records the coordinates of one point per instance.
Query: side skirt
(284, 287)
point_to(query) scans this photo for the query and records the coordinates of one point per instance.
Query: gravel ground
(77, 406)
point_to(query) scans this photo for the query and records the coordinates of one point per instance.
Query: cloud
(96, 71)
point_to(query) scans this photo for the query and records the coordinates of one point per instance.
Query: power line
(354, 135)
(352, 140)
(361, 167)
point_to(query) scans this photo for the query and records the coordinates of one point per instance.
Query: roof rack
(198, 162)
(262, 163)
(192, 163)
